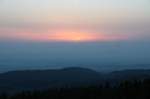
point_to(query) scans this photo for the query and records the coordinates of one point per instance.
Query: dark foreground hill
(67, 77)
(41, 79)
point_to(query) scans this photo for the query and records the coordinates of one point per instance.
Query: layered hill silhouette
(67, 77)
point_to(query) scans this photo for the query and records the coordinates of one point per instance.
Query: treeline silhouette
(124, 90)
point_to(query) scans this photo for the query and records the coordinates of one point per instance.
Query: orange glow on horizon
(81, 36)
(73, 36)
(61, 36)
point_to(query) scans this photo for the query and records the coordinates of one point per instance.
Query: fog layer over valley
(102, 56)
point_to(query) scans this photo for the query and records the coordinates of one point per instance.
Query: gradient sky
(74, 20)
(99, 34)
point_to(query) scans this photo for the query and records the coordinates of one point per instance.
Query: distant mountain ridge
(66, 77)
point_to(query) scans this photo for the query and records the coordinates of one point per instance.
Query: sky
(94, 20)
(80, 29)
